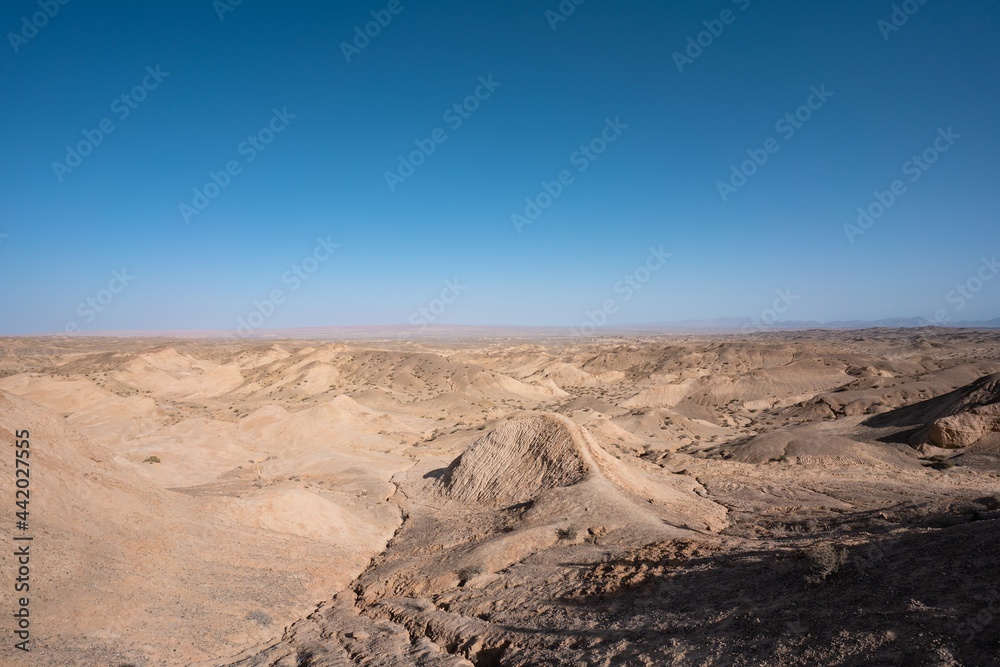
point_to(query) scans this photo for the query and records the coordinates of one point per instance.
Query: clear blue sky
(68, 228)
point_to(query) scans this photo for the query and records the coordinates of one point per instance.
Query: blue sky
(200, 90)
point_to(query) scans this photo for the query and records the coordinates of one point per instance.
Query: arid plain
(784, 498)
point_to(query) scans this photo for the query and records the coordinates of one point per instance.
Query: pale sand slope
(125, 568)
(509, 503)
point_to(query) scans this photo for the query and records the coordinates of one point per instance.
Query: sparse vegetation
(824, 560)
(304, 658)
(258, 616)
(567, 534)
(468, 572)
(152, 459)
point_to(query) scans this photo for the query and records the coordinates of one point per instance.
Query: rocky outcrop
(966, 428)
(954, 420)
(517, 461)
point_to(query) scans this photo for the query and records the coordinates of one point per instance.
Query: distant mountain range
(749, 325)
(724, 325)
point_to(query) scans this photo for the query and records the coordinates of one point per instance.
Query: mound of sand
(662, 396)
(124, 570)
(341, 421)
(568, 375)
(307, 514)
(526, 457)
(815, 446)
(954, 420)
(104, 417)
(497, 386)
(167, 372)
(787, 385)
(63, 395)
(255, 358)
(517, 461)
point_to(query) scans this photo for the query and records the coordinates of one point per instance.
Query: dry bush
(824, 560)
(467, 573)
(567, 533)
(258, 616)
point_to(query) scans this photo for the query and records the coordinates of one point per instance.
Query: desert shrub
(257, 616)
(152, 459)
(779, 530)
(990, 502)
(468, 572)
(824, 560)
(567, 533)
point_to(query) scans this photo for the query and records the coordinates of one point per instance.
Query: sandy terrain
(799, 498)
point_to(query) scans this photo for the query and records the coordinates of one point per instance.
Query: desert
(782, 498)
(407, 333)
